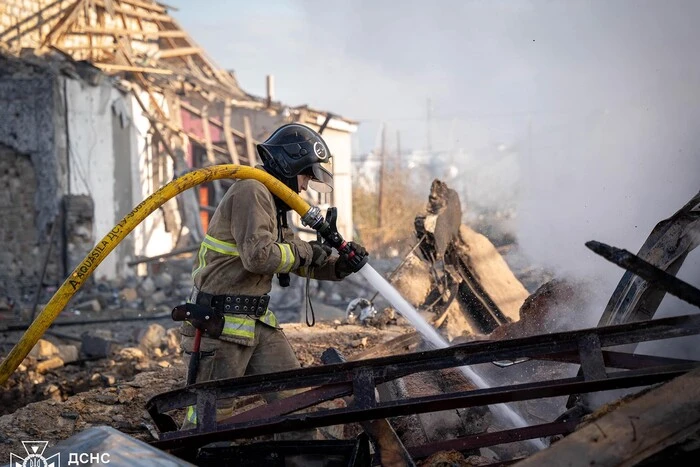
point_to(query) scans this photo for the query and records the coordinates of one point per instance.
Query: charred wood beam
(620, 360)
(633, 432)
(650, 273)
(666, 247)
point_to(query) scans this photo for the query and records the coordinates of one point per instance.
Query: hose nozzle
(328, 230)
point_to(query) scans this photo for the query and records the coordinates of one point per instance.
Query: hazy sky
(600, 100)
(487, 64)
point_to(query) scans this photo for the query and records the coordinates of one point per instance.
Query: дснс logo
(35, 456)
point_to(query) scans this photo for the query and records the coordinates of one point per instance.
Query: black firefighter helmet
(295, 149)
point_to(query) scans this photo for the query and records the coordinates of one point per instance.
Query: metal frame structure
(360, 378)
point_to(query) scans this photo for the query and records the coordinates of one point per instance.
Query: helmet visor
(321, 179)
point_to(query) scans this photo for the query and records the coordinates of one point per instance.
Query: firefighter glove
(343, 267)
(320, 254)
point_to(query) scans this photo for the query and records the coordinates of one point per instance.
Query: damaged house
(107, 101)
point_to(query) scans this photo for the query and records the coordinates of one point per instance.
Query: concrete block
(43, 350)
(147, 287)
(96, 346)
(90, 305)
(128, 294)
(173, 338)
(151, 337)
(163, 280)
(50, 364)
(68, 353)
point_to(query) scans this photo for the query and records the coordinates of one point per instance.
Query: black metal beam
(483, 440)
(647, 271)
(389, 368)
(480, 397)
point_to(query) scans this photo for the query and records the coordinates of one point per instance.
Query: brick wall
(22, 249)
(29, 176)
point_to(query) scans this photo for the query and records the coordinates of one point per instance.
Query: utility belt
(255, 305)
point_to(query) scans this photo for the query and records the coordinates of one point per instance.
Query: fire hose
(310, 215)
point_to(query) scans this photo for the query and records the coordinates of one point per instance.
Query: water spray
(327, 229)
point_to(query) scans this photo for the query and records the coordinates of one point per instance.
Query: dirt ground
(114, 391)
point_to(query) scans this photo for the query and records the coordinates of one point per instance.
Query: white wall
(92, 168)
(150, 237)
(91, 155)
(340, 145)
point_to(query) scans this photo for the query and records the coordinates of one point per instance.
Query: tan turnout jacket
(241, 253)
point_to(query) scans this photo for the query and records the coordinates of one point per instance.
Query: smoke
(596, 103)
(611, 178)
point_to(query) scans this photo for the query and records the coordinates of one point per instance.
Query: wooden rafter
(153, 121)
(144, 83)
(201, 142)
(126, 32)
(63, 24)
(134, 12)
(145, 5)
(230, 144)
(170, 53)
(208, 145)
(196, 112)
(249, 142)
(135, 69)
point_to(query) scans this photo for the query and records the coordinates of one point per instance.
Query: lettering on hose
(35, 455)
(92, 258)
(96, 255)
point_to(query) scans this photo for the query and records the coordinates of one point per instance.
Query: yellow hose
(86, 267)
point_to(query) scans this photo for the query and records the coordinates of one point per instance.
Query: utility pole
(428, 124)
(382, 162)
(398, 150)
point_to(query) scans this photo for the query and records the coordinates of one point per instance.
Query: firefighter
(247, 242)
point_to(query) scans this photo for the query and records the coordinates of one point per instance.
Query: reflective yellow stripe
(269, 318)
(211, 243)
(220, 246)
(191, 415)
(202, 260)
(287, 260)
(240, 327)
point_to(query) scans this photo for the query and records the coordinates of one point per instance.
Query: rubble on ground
(85, 375)
(89, 375)
(115, 390)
